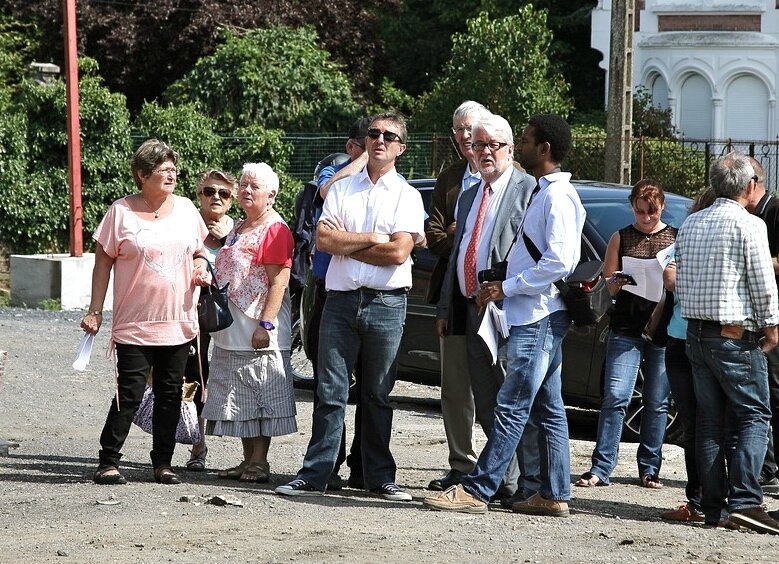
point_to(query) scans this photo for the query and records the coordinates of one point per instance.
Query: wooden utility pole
(619, 114)
(74, 135)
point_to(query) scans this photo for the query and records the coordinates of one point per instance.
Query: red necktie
(470, 252)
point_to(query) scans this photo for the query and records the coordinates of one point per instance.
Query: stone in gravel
(222, 500)
(61, 553)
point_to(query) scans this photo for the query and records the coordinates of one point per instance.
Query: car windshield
(608, 216)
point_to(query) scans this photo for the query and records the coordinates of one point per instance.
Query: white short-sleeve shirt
(389, 206)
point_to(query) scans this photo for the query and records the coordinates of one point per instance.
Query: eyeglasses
(461, 129)
(209, 191)
(389, 136)
(166, 171)
(756, 179)
(493, 145)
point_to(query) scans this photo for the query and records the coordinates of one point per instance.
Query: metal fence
(679, 165)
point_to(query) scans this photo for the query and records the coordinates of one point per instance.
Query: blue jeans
(623, 358)
(359, 321)
(729, 373)
(532, 389)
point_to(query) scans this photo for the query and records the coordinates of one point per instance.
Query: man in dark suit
(457, 407)
(488, 217)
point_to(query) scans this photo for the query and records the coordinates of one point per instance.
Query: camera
(495, 274)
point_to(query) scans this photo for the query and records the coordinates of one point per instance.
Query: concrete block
(35, 278)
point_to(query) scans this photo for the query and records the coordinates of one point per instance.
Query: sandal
(257, 473)
(233, 473)
(108, 476)
(197, 462)
(166, 475)
(588, 480)
(651, 482)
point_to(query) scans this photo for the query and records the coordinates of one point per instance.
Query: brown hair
(217, 174)
(649, 190)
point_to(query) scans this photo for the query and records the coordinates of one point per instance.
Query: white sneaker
(298, 487)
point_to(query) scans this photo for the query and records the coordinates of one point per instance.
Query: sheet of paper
(84, 352)
(498, 319)
(648, 275)
(666, 255)
(489, 335)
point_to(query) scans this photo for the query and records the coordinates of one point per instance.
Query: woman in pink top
(249, 393)
(149, 240)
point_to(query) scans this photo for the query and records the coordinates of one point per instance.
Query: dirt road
(50, 511)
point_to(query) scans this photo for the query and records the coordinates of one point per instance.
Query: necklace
(155, 212)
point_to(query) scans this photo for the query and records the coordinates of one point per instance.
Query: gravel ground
(50, 511)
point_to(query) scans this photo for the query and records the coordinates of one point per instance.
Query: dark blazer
(442, 204)
(509, 216)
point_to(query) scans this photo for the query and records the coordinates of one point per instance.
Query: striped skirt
(249, 395)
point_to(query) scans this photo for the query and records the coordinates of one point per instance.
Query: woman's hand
(260, 338)
(218, 229)
(91, 322)
(200, 274)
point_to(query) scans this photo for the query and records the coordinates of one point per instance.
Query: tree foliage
(650, 120)
(503, 64)
(18, 44)
(276, 77)
(143, 46)
(34, 207)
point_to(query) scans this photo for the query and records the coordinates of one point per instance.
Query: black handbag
(213, 313)
(584, 292)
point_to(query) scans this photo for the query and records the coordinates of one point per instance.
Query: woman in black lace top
(634, 250)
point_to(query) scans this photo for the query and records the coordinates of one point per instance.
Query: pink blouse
(155, 299)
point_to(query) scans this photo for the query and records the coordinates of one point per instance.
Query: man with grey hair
(457, 408)
(727, 291)
(488, 217)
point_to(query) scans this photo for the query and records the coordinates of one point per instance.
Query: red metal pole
(74, 136)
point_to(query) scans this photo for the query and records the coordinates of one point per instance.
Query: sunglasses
(389, 136)
(209, 191)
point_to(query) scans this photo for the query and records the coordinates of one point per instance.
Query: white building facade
(713, 62)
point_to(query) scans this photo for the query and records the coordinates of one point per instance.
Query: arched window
(695, 108)
(659, 90)
(746, 109)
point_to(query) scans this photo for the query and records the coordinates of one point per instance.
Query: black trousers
(770, 465)
(133, 365)
(354, 460)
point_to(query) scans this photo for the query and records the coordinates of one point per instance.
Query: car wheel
(300, 366)
(632, 427)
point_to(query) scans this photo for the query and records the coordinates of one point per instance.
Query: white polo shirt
(389, 206)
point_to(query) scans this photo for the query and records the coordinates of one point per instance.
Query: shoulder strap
(536, 256)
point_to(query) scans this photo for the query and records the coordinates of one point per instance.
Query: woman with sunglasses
(215, 190)
(151, 241)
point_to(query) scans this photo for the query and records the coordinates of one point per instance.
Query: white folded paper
(84, 352)
(493, 326)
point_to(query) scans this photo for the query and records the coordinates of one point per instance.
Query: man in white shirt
(538, 322)
(369, 223)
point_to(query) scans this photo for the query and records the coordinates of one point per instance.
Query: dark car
(584, 349)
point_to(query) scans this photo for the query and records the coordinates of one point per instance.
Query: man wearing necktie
(488, 216)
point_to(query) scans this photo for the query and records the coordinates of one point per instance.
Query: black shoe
(298, 487)
(521, 495)
(166, 475)
(355, 482)
(104, 479)
(770, 486)
(774, 515)
(757, 519)
(335, 483)
(453, 478)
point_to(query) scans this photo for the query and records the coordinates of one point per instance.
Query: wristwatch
(267, 325)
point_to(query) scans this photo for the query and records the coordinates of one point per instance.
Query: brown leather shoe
(683, 513)
(455, 499)
(537, 505)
